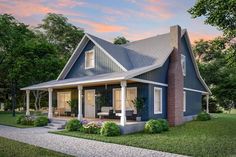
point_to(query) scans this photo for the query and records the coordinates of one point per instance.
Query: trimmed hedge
(153, 126)
(110, 129)
(165, 124)
(41, 121)
(19, 118)
(203, 116)
(73, 125)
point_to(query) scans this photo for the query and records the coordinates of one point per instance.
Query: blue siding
(193, 103)
(151, 103)
(157, 75)
(190, 80)
(103, 64)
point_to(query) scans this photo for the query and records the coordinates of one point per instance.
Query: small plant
(164, 123)
(203, 116)
(41, 121)
(18, 119)
(153, 126)
(27, 120)
(92, 128)
(72, 104)
(73, 125)
(139, 105)
(110, 129)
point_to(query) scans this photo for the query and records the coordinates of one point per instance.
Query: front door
(89, 103)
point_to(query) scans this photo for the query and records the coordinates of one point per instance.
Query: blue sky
(134, 19)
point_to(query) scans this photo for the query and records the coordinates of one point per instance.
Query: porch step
(56, 124)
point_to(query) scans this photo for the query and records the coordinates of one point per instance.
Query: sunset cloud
(100, 27)
(195, 36)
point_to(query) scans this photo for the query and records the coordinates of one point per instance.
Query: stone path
(75, 146)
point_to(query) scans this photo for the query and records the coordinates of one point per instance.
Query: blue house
(161, 70)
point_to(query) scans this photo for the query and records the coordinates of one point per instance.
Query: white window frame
(184, 101)
(113, 96)
(160, 89)
(86, 66)
(183, 64)
(65, 92)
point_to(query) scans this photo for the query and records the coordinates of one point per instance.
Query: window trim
(184, 101)
(113, 95)
(85, 64)
(183, 70)
(63, 92)
(160, 89)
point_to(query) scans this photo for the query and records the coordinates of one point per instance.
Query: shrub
(92, 128)
(18, 119)
(27, 120)
(110, 129)
(73, 125)
(203, 116)
(41, 121)
(153, 126)
(164, 124)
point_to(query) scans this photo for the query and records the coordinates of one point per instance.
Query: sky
(133, 19)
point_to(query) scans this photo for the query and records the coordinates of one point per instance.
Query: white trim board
(165, 85)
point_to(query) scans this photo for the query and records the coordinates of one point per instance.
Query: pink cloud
(194, 36)
(69, 3)
(100, 27)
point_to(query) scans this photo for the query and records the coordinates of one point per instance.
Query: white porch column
(123, 101)
(80, 115)
(50, 114)
(207, 103)
(27, 102)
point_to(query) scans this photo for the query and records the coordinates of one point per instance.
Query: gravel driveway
(75, 146)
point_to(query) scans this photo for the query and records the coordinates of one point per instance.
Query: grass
(216, 137)
(6, 118)
(10, 148)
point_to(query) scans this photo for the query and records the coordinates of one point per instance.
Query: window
(62, 100)
(157, 100)
(131, 94)
(184, 101)
(89, 59)
(183, 64)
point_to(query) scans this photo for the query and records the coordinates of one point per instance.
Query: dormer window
(183, 64)
(89, 59)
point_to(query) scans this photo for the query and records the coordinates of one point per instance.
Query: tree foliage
(217, 67)
(120, 40)
(61, 33)
(218, 13)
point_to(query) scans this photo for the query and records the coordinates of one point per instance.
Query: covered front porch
(85, 94)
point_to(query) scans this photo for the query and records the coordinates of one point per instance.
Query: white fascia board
(150, 82)
(66, 67)
(113, 59)
(194, 62)
(73, 83)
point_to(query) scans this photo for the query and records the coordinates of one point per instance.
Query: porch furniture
(105, 111)
(128, 113)
(60, 111)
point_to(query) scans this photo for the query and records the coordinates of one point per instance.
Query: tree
(218, 70)
(60, 32)
(218, 13)
(120, 40)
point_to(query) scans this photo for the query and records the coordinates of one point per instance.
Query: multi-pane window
(131, 94)
(89, 59)
(63, 99)
(183, 64)
(157, 100)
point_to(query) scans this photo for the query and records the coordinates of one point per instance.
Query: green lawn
(6, 118)
(10, 148)
(197, 138)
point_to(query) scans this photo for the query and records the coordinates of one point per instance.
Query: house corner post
(50, 114)
(123, 101)
(27, 102)
(207, 103)
(80, 114)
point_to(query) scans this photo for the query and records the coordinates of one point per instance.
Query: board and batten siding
(193, 103)
(103, 64)
(191, 79)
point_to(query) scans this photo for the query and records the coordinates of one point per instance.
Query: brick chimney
(175, 80)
